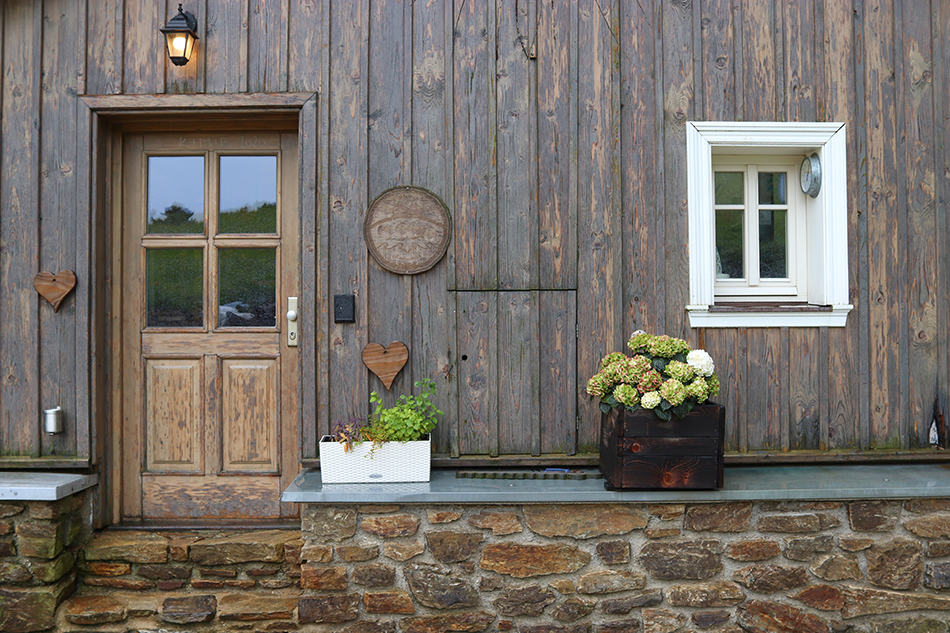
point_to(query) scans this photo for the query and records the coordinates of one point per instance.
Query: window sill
(765, 483)
(770, 315)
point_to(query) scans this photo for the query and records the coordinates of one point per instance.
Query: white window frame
(825, 251)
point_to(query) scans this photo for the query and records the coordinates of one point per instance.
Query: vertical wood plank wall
(554, 132)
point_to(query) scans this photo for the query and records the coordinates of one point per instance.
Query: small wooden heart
(55, 286)
(386, 362)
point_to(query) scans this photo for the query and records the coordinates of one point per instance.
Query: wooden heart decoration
(386, 362)
(55, 286)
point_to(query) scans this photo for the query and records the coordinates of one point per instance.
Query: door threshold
(207, 524)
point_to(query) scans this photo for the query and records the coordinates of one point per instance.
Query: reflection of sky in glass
(247, 181)
(176, 180)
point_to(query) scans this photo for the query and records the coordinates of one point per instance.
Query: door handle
(291, 321)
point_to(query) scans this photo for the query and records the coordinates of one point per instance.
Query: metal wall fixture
(181, 34)
(53, 420)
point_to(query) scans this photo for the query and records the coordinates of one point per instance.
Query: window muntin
(759, 229)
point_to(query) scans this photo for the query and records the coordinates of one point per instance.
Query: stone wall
(38, 547)
(767, 567)
(877, 567)
(210, 580)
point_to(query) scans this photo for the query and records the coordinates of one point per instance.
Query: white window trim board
(827, 219)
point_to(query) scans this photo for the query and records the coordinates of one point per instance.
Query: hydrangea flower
(698, 389)
(650, 399)
(673, 391)
(679, 370)
(626, 395)
(687, 376)
(595, 386)
(713, 382)
(640, 365)
(612, 358)
(639, 342)
(701, 361)
(650, 381)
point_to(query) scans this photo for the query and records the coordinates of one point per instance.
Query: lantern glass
(180, 46)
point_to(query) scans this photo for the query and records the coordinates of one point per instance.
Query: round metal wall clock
(810, 175)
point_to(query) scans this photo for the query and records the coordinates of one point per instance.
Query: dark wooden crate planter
(638, 451)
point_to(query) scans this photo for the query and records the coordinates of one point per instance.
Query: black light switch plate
(344, 308)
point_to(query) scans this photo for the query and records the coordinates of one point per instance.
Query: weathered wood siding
(554, 132)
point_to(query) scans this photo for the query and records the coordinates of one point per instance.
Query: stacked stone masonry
(765, 567)
(39, 543)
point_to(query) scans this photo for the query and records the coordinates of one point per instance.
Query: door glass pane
(247, 294)
(729, 187)
(248, 198)
(772, 247)
(174, 280)
(176, 194)
(729, 236)
(772, 187)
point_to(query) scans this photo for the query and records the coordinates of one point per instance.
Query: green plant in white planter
(392, 446)
(410, 419)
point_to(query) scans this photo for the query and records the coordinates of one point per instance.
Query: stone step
(158, 608)
(204, 548)
(206, 561)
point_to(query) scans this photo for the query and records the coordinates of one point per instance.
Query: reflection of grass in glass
(176, 219)
(260, 219)
(247, 282)
(173, 286)
(729, 242)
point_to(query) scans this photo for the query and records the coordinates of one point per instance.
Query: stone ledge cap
(35, 486)
(742, 483)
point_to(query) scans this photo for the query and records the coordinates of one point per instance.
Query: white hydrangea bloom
(701, 362)
(650, 399)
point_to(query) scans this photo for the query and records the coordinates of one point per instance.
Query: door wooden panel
(189, 497)
(173, 409)
(249, 414)
(209, 254)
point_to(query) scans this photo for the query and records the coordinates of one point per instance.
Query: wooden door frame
(102, 121)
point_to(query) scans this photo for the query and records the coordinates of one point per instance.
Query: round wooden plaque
(407, 229)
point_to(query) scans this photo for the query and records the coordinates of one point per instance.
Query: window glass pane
(176, 194)
(729, 187)
(729, 236)
(247, 294)
(772, 187)
(772, 246)
(174, 279)
(248, 194)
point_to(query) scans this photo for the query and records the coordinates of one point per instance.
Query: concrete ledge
(885, 481)
(30, 486)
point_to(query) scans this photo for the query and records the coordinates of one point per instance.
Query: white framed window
(759, 216)
(762, 253)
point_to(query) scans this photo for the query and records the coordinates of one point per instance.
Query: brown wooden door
(209, 257)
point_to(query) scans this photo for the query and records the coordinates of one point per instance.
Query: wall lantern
(181, 33)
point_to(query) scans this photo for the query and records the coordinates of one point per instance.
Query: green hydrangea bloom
(650, 381)
(667, 347)
(713, 382)
(679, 370)
(611, 358)
(595, 386)
(673, 391)
(640, 342)
(698, 390)
(626, 395)
(639, 365)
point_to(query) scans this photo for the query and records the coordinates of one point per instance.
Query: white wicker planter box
(365, 464)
